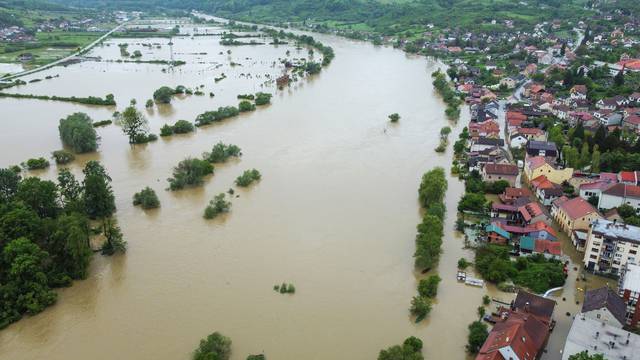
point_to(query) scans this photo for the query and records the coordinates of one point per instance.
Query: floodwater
(334, 214)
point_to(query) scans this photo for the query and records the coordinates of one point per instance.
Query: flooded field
(334, 214)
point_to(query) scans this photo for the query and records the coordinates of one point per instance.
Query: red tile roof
(517, 192)
(577, 207)
(628, 176)
(548, 246)
(522, 332)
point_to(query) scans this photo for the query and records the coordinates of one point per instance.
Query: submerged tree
(214, 347)
(135, 125)
(98, 197)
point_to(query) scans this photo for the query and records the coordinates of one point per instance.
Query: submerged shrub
(189, 172)
(248, 177)
(62, 157)
(217, 206)
(146, 198)
(222, 152)
(35, 164)
(263, 98)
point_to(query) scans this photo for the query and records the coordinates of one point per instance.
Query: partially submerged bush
(245, 106)
(263, 98)
(36, 164)
(217, 206)
(146, 198)
(221, 152)
(62, 157)
(248, 177)
(189, 172)
(222, 113)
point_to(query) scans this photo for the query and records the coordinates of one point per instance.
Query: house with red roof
(488, 128)
(574, 214)
(629, 177)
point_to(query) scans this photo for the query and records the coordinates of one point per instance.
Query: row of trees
(448, 94)
(91, 100)
(45, 232)
(411, 349)
(429, 238)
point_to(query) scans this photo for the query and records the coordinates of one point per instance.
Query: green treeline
(44, 235)
(429, 238)
(91, 100)
(448, 94)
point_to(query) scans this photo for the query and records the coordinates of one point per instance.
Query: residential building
(539, 165)
(521, 331)
(604, 305)
(492, 172)
(629, 289)
(574, 214)
(596, 337)
(497, 235)
(593, 189)
(542, 148)
(611, 246)
(510, 194)
(620, 194)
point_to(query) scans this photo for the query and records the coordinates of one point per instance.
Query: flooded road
(335, 213)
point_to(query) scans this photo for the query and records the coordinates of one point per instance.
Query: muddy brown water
(334, 214)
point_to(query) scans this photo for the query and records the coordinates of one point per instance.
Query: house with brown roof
(521, 331)
(510, 194)
(620, 194)
(573, 214)
(492, 172)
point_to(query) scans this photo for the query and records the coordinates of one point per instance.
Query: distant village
(98, 23)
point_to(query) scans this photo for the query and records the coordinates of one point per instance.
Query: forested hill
(381, 16)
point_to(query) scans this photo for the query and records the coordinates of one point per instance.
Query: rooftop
(623, 190)
(577, 208)
(613, 229)
(502, 169)
(631, 280)
(598, 338)
(541, 145)
(605, 297)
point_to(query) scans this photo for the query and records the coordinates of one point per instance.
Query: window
(594, 257)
